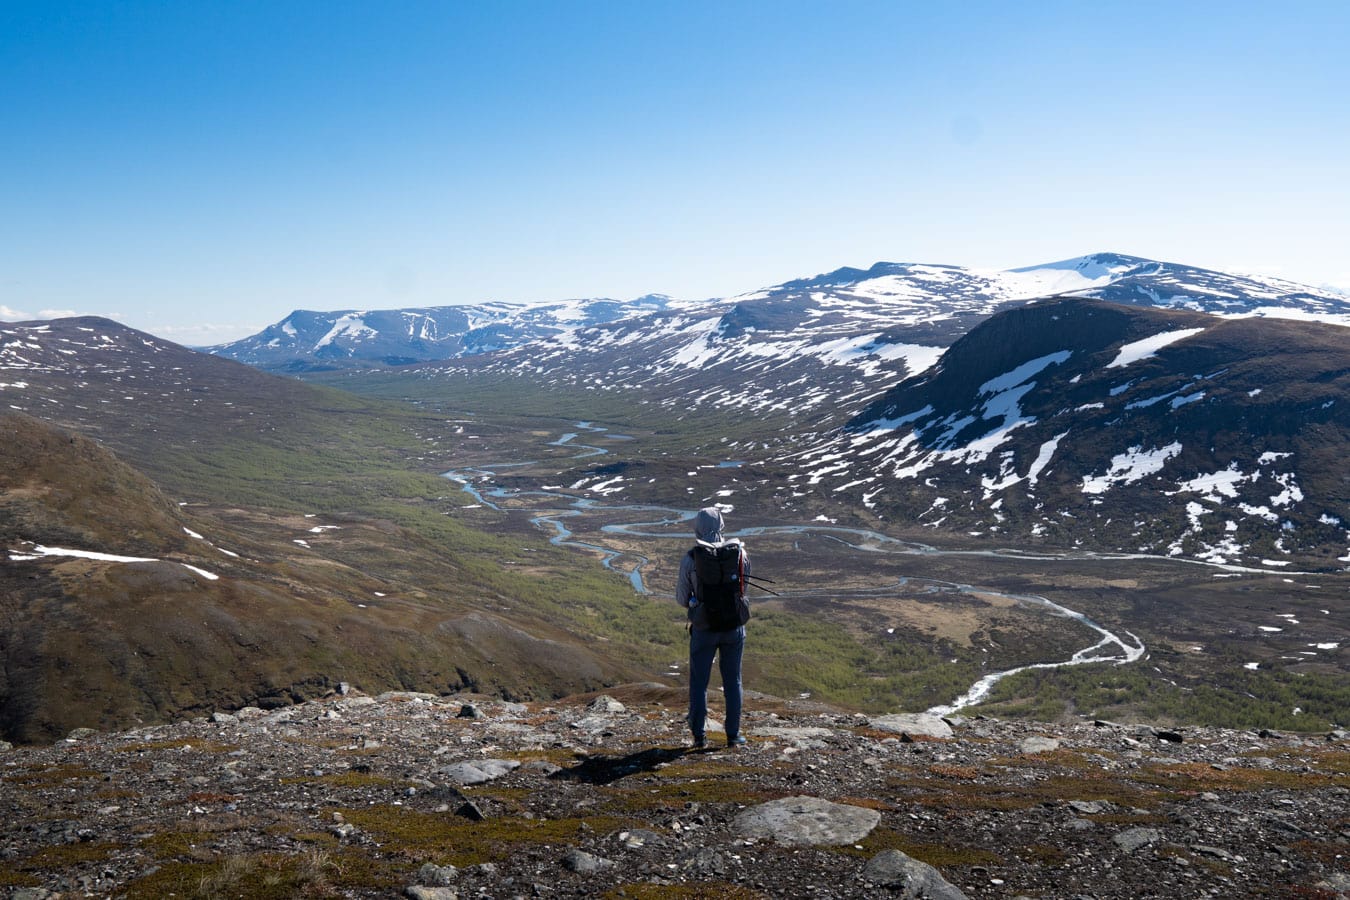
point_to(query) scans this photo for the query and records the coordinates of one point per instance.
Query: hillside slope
(122, 605)
(1087, 424)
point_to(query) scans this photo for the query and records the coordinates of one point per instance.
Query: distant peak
(1094, 265)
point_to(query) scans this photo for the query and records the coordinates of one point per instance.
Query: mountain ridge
(1033, 414)
(932, 303)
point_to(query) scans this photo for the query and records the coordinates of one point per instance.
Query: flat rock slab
(479, 771)
(910, 878)
(807, 821)
(914, 725)
(1038, 744)
(1135, 838)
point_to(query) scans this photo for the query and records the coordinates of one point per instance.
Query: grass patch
(166, 845)
(447, 839)
(348, 779)
(258, 876)
(959, 796)
(52, 775)
(709, 890)
(939, 855)
(60, 857)
(177, 744)
(1205, 777)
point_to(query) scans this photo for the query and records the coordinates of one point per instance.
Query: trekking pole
(762, 588)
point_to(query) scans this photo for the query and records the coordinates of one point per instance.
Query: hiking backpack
(719, 576)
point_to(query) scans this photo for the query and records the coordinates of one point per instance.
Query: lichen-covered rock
(807, 820)
(913, 725)
(1038, 744)
(479, 771)
(909, 878)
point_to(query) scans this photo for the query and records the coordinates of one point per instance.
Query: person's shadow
(608, 769)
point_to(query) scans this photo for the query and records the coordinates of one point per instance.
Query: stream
(478, 482)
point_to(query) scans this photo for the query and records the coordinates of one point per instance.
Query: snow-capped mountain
(307, 341)
(822, 347)
(1161, 432)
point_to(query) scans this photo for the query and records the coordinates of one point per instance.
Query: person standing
(711, 586)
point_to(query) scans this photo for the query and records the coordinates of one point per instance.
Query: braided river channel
(661, 522)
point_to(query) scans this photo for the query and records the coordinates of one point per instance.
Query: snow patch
(1130, 466)
(1135, 351)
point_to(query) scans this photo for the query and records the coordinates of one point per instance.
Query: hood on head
(708, 525)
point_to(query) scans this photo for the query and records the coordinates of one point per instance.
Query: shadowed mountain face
(1103, 426)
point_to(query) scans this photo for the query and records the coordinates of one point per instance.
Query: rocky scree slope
(1076, 422)
(460, 796)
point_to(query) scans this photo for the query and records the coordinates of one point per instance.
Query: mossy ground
(450, 840)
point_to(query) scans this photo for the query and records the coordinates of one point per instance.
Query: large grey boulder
(1133, 839)
(914, 725)
(914, 880)
(807, 820)
(1038, 744)
(605, 704)
(478, 771)
(584, 863)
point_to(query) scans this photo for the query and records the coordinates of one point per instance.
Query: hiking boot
(736, 742)
(699, 742)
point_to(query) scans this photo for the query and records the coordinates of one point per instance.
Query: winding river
(479, 483)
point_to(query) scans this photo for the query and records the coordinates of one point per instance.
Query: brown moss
(116, 794)
(170, 844)
(52, 775)
(451, 840)
(11, 877)
(867, 803)
(981, 795)
(727, 789)
(1205, 777)
(711, 890)
(178, 744)
(1328, 853)
(259, 876)
(940, 855)
(62, 856)
(948, 770)
(350, 779)
(1062, 757)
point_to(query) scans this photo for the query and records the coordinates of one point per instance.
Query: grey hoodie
(708, 525)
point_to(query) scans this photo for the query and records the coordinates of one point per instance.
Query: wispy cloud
(204, 334)
(11, 314)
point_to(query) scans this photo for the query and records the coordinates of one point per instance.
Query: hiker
(711, 586)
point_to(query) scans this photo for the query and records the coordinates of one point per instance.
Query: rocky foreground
(457, 797)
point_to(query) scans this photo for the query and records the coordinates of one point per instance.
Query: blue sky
(199, 170)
